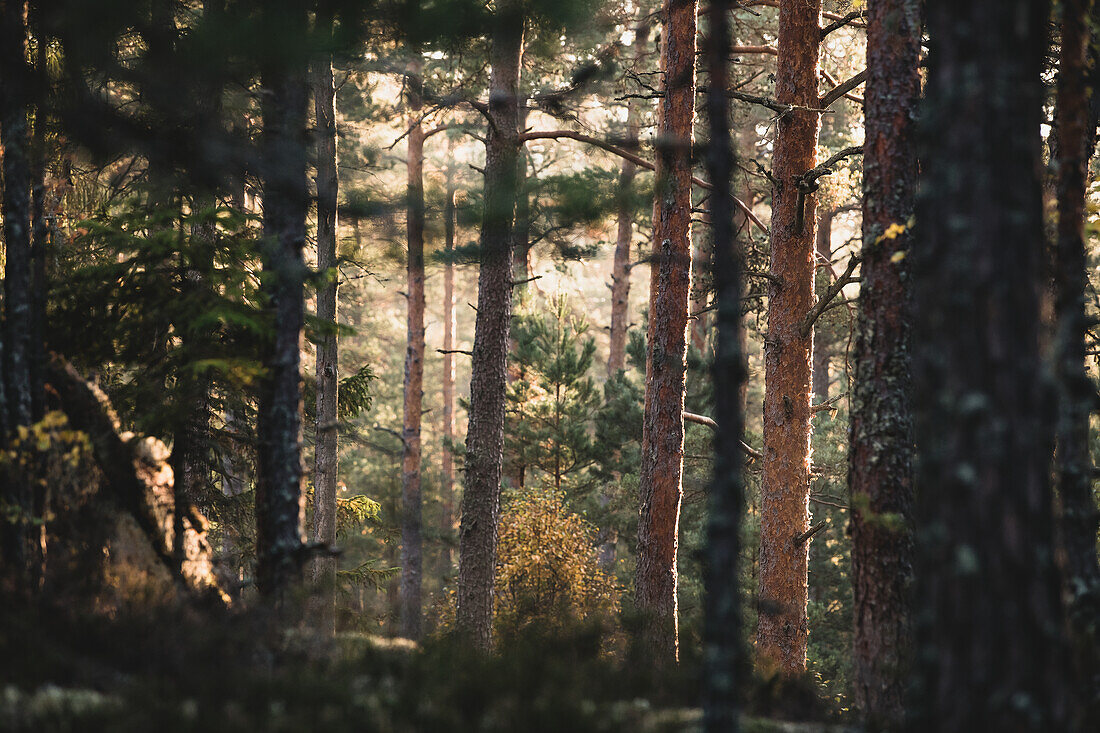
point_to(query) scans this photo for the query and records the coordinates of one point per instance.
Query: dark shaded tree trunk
(412, 540)
(987, 647)
(820, 366)
(21, 539)
(485, 434)
(880, 451)
(448, 467)
(670, 285)
(782, 630)
(724, 645)
(1076, 134)
(279, 504)
(326, 450)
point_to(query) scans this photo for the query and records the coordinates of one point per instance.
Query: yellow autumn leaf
(898, 256)
(892, 232)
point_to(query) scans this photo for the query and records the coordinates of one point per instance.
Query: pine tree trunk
(699, 294)
(21, 540)
(880, 441)
(447, 485)
(412, 540)
(670, 284)
(326, 455)
(784, 508)
(987, 646)
(279, 505)
(624, 229)
(820, 366)
(485, 435)
(722, 621)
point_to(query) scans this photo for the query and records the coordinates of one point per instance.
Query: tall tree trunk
(784, 508)
(988, 650)
(21, 544)
(448, 482)
(326, 450)
(1076, 134)
(412, 540)
(670, 285)
(880, 440)
(699, 295)
(820, 366)
(485, 435)
(624, 230)
(279, 506)
(722, 622)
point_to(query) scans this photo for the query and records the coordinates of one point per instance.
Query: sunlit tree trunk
(722, 622)
(326, 457)
(880, 440)
(279, 501)
(485, 434)
(782, 630)
(988, 644)
(670, 284)
(412, 540)
(447, 486)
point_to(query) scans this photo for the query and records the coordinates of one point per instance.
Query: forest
(550, 365)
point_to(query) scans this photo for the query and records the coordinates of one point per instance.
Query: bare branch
(842, 89)
(819, 307)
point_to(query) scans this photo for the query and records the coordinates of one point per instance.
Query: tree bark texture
(485, 434)
(722, 622)
(820, 366)
(326, 456)
(412, 540)
(670, 285)
(784, 508)
(880, 451)
(987, 647)
(279, 505)
(448, 467)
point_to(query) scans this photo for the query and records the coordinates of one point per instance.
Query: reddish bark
(670, 284)
(784, 512)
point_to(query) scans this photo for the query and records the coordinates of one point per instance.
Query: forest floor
(180, 670)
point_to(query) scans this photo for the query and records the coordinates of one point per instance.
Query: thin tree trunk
(279, 501)
(412, 540)
(326, 450)
(782, 630)
(21, 546)
(485, 435)
(1076, 134)
(670, 284)
(820, 367)
(699, 295)
(447, 487)
(722, 622)
(989, 653)
(624, 232)
(880, 441)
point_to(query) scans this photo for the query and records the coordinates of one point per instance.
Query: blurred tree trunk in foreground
(988, 646)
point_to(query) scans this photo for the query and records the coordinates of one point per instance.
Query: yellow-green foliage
(547, 572)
